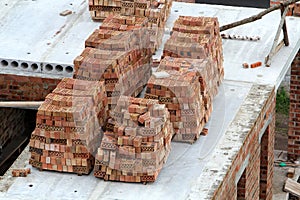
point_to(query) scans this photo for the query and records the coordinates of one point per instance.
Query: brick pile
(189, 74)
(180, 91)
(68, 127)
(136, 143)
(117, 26)
(155, 12)
(197, 38)
(114, 54)
(122, 33)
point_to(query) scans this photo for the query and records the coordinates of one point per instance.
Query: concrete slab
(36, 27)
(29, 36)
(236, 52)
(33, 32)
(174, 182)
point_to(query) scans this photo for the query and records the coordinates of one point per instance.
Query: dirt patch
(281, 131)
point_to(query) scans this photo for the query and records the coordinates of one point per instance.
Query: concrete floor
(280, 177)
(186, 162)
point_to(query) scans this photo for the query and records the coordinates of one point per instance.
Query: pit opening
(14, 64)
(24, 65)
(49, 67)
(59, 68)
(4, 63)
(69, 69)
(34, 66)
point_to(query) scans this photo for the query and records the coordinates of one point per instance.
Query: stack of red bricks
(188, 81)
(155, 12)
(180, 91)
(136, 143)
(100, 9)
(197, 38)
(122, 33)
(205, 72)
(115, 56)
(68, 127)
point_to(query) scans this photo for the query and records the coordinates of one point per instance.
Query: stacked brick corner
(68, 127)
(136, 142)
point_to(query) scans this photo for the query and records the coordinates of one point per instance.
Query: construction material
(20, 172)
(245, 65)
(65, 13)
(193, 60)
(187, 93)
(292, 187)
(290, 173)
(21, 104)
(155, 12)
(256, 64)
(276, 47)
(257, 16)
(68, 127)
(197, 38)
(136, 143)
(239, 37)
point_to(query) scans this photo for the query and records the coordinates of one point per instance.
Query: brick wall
(11, 124)
(245, 153)
(294, 130)
(257, 157)
(25, 88)
(241, 187)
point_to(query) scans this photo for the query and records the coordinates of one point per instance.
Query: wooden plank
(21, 104)
(274, 46)
(292, 187)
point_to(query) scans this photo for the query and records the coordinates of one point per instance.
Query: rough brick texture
(179, 90)
(244, 148)
(25, 88)
(68, 127)
(114, 56)
(136, 143)
(259, 170)
(11, 124)
(294, 118)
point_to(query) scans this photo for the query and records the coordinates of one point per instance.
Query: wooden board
(292, 187)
